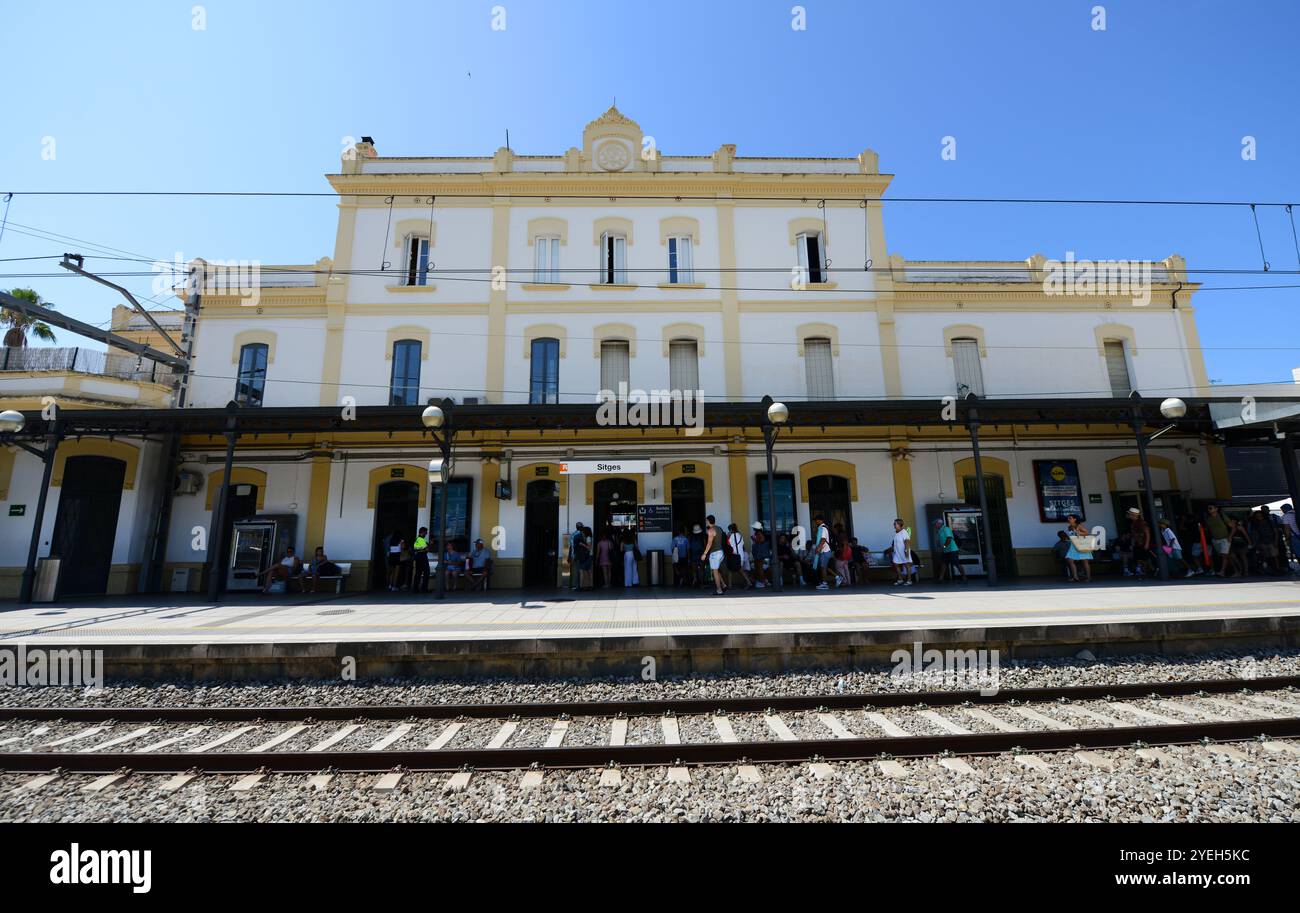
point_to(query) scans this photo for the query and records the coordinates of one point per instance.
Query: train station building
(514, 289)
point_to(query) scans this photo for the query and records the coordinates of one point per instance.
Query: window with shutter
(417, 261)
(966, 367)
(680, 271)
(613, 262)
(683, 365)
(615, 366)
(819, 367)
(812, 261)
(1117, 369)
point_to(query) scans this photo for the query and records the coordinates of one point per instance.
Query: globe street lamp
(1171, 409)
(436, 419)
(776, 417)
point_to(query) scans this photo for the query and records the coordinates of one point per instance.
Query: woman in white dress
(901, 554)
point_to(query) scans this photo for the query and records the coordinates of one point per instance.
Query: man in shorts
(949, 552)
(1217, 529)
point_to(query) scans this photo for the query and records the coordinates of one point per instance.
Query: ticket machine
(255, 544)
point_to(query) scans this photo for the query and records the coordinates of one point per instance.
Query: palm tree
(20, 324)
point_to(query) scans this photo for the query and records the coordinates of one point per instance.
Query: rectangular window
(812, 261)
(966, 366)
(417, 261)
(683, 365)
(613, 259)
(251, 383)
(615, 366)
(544, 378)
(1117, 369)
(819, 367)
(404, 388)
(680, 269)
(783, 486)
(458, 512)
(548, 260)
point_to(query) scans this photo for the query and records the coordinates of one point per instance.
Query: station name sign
(605, 468)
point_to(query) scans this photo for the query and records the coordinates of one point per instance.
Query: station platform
(610, 632)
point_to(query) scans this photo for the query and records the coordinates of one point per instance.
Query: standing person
(761, 550)
(841, 556)
(574, 559)
(786, 559)
(1140, 533)
(737, 560)
(605, 558)
(631, 555)
(949, 552)
(1217, 528)
(900, 554)
(582, 552)
(1238, 548)
(713, 553)
(1076, 556)
(699, 566)
(822, 553)
(396, 544)
(1189, 530)
(681, 558)
(420, 583)
(1173, 550)
(1263, 532)
(1291, 528)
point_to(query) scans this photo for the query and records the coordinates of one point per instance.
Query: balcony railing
(83, 361)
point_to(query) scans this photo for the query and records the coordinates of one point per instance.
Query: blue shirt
(947, 541)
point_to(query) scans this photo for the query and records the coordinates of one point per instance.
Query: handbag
(1084, 544)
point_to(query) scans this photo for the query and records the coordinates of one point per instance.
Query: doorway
(397, 507)
(999, 524)
(615, 505)
(86, 525)
(1170, 505)
(829, 497)
(688, 503)
(541, 532)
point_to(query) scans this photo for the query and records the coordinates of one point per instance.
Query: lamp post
(13, 422)
(986, 526)
(438, 419)
(1172, 409)
(777, 415)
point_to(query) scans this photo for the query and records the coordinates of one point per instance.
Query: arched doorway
(541, 532)
(397, 507)
(615, 504)
(831, 497)
(689, 506)
(86, 525)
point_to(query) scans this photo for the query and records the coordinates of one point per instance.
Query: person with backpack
(737, 559)
(949, 553)
(681, 558)
(822, 553)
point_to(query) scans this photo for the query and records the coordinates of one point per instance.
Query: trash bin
(655, 566)
(47, 579)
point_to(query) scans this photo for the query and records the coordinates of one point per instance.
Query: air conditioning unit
(472, 400)
(187, 482)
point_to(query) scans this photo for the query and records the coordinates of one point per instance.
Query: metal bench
(345, 571)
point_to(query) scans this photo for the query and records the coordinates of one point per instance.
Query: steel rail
(652, 707)
(658, 755)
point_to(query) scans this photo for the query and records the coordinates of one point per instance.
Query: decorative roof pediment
(612, 143)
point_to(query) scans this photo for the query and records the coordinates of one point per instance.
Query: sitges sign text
(605, 467)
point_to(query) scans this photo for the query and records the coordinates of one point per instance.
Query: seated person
(454, 565)
(478, 564)
(289, 567)
(320, 567)
(761, 557)
(1061, 549)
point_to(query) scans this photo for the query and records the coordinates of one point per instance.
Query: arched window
(251, 382)
(966, 366)
(544, 379)
(683, 365)
(404, 388)
(819, 368)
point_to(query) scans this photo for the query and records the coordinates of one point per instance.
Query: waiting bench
(345, 571)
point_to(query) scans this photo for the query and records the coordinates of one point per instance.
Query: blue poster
(1059, 491)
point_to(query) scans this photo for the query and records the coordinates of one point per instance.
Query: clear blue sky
(1041, 105)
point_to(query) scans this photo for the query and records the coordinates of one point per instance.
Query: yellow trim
(684, 331)
(614, 225)
(544, 286)
(669, 286)
(632, 477)
(7, 459)
(548, 227)
(419, 475)
(607, 286)
(678, 227)
(1131, 461)
(528, 473)
(546, 331)
(828, 468)
(97, 446)
(418, 228)
(397, 334)
(1115, 332)
(318, 494)
(251, 337)
(409, 289)
(703, 470)
(993, 466)
(239, 475)
(807, 331)
(738, 482)
(904, 490)
(809, 225)
(614, 332)
(964, 331)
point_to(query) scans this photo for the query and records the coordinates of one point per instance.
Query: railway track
(678, 734)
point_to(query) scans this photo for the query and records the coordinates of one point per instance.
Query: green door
(999, 525)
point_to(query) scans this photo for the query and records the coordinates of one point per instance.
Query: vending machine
(964, 521)
(255, 544)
